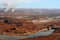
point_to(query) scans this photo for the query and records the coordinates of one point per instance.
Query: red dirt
(54, 36)
(25, 27)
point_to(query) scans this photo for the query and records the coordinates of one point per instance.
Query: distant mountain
(40, 12)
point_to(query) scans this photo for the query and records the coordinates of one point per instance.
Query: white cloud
(21, 1)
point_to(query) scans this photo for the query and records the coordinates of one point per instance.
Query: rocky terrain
(29, 21)
(18, 27)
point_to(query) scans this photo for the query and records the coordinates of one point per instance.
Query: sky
(34, 3)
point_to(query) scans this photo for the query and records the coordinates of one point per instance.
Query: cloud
(21, 1)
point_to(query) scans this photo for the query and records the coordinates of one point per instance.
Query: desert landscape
(24, 22)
